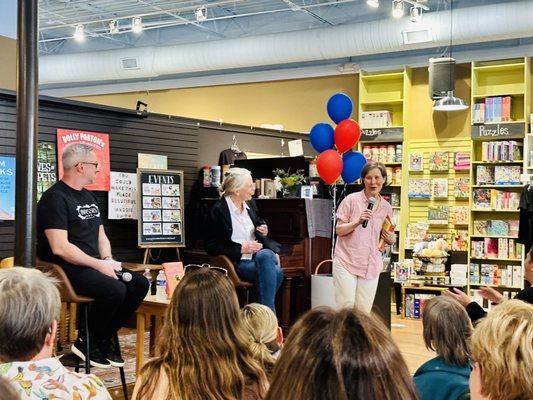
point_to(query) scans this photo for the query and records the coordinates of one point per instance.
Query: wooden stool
(69, 295)
(223, 261)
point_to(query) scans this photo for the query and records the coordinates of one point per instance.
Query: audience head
(447, 330)
(261, 326)
(203, 349)
(237, 182)
(7, 391)
(344, 355)
(528, 266)
(29, 310)
(502, 348)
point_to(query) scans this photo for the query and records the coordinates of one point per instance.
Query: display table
(150, 307)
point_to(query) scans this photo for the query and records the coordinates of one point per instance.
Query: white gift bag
(322, 290)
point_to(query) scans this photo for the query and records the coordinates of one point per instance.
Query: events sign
(160, 205)
(100, 143)
(7, 188)
(122, 199)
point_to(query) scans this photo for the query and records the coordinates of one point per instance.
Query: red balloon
(329, 166)
(347, 133)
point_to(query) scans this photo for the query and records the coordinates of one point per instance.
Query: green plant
(287, 180)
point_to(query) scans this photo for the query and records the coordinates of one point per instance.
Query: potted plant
(288, 183)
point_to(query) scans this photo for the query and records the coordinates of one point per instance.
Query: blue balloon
(340, 107)
(353, 163)
(321, 137)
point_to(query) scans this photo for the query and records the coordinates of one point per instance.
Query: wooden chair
(69, 295)
(7, 262)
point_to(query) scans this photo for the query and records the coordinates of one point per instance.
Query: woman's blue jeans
(263, 270)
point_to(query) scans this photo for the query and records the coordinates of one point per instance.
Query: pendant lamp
(450, 102)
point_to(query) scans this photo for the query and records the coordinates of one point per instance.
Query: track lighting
(79, 33)
(397, 8)
(113, 26)
(373, 3)
(136, 24)
(415, 14)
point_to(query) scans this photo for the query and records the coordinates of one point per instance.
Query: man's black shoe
(111, 349)
(95, 357)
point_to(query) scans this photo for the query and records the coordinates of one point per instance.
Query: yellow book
(387, 226)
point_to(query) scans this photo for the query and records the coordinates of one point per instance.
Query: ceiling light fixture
(373, 3)
(450, 102)
(415, 14)
(201, 13)
(79, 33)
(113, 26)
(397, 8)
(136, 24)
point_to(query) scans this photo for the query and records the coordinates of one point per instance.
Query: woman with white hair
(237, 231)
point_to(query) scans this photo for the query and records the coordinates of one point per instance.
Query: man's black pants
(115, 301)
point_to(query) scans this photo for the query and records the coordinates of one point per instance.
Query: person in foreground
(70, 234)
(343, 355)
(447, 331)
(475, 311)
(237, 231)
(29, 310)
(203, 352)
(357, 261)
(7, 390)
(502, 347)
(265, 336)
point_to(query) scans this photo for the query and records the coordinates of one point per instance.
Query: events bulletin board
(160, 208)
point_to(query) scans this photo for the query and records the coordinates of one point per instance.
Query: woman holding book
(357, 260)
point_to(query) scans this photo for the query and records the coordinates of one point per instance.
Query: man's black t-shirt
(76, 211)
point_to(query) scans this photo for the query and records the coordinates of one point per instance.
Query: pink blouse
(358, 251)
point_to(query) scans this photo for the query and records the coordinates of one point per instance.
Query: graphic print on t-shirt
(88, 211)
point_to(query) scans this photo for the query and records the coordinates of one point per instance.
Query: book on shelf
(459, 240)
(478, 113)
(419, 188)
(501, 150)
(438, 161)
(495, 248)
(438, 215)
(507, 174)
(416, 162)
(462, 188)
(493, 199)
(484, 175)
(496, 228)
(492, 110)
(461, 160)
(495, 274)
(375, 119)
(439, 188)
(459, 215)
(481, 198)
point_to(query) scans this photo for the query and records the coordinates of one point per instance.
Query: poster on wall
(100, 143)
(7, 188)
(160, 208)
(122, 199)
(46, 167)
(151, 161)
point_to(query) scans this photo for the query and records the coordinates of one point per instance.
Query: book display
(381, 115)
(500, 104)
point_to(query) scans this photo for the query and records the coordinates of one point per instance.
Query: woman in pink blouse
(357, 260)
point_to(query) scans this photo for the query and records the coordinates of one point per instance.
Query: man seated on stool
(70, 233)
(29, 310)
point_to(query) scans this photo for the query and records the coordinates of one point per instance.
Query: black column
(27, 128)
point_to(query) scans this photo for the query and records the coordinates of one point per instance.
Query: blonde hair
(502, 344)
(234, 180)
(29, 303)
(344, 355)
(8, 390)
(447, 330)
(261, 325)
(202, 349)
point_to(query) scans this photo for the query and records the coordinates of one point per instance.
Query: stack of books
(375, 119)
(494, 109)
(496, 227)
(496, 248)
(458, 274)
(496, 275)
(493, 199)
(503, 150)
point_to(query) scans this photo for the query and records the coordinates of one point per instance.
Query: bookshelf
(386, 92)
(500, 101)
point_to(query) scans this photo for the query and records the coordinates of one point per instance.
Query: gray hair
(234, 180)
(74, 154)
(29, 303)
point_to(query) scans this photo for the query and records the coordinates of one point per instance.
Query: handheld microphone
(371, 202)
(124, 276)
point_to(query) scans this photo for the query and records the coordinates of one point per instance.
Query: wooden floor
(407, 333)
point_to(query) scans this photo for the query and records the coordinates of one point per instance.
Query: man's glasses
(91, 163)
(196, 267)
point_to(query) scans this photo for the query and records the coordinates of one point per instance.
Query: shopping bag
(322, 290)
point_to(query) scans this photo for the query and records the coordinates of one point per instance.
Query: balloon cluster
(343, 161)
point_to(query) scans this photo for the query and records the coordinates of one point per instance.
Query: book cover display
(419, 188)
(461, 161)
(46, 167)
(438, 161)
(462, 188)
(416, 162)
(438, 215)
(459, 215)
(7, 188)
(439, 188)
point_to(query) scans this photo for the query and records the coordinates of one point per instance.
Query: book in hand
(387, 226)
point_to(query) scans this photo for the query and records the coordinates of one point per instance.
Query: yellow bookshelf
(387, 91)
